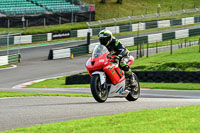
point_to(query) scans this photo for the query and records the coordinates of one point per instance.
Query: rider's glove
(111, 53)
(116, 58)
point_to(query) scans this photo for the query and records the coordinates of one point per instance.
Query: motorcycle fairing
(102, 76)
(96, 64)
(117, 90)
(114, 73)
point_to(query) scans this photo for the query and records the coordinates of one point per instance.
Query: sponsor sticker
(122, 89)
(61, 35)
(102, 60)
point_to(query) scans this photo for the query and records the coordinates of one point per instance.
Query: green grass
(171, 86)
(5, 66)
(46, 29)
(166, 120)
(137, 7)
(60, 83)
(186, 59)
(50, 83)
(21, 94)
(56, 83)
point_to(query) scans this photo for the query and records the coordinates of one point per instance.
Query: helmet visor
(103, 40)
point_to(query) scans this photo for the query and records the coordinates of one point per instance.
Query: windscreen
(98, 51)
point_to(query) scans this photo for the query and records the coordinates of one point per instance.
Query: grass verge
(21, 94)
(185, 59)
(166, 120)
(50, 83)
(137, 7)
(151, 85)
(171, 86)
(5, 66)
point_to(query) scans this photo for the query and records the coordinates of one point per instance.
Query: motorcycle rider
(116, 48)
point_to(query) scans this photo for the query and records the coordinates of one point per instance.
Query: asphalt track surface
(29, 111)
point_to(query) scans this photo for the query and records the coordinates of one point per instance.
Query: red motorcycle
(107, 79)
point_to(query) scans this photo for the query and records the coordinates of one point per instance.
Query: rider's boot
(131, 78)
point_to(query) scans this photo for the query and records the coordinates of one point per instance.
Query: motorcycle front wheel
(99, 93)
(134, 94)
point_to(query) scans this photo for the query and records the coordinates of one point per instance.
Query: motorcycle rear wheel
(100, 94)
(134, 94)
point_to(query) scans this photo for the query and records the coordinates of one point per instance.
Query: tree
(119, 1)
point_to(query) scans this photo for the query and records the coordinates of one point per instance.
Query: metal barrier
(10, 59)
(66, 52)
(14, 58)
(141, 18)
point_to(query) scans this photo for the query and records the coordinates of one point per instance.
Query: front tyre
(99, 93)
(134, 94)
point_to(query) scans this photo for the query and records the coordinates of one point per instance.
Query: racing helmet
(105, 37)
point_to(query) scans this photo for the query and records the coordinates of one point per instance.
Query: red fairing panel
(97, 64)
(101, 63)
(115, 74)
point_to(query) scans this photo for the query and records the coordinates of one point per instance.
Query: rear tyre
(99, 93)
(134, 94)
